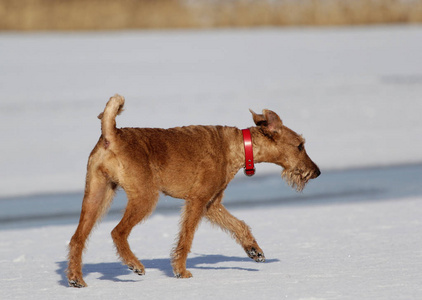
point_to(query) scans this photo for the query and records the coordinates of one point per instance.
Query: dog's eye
(300, 147)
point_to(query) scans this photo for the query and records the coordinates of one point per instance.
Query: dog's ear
(269, 121)
(258, 119)
(273, 120)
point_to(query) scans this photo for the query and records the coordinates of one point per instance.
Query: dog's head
(282, 146)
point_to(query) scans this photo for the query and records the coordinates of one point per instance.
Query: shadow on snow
(111, 271)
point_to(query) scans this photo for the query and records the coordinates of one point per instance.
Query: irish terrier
(194, 163)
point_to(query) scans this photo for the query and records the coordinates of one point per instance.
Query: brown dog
(194, 163)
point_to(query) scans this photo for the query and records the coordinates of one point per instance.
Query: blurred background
(344, 73)
(170, 14)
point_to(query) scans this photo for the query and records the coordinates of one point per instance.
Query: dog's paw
(183, 274)
(256, 255)
(139, 271)
(77, 283)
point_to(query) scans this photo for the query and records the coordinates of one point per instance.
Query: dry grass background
(128, 14)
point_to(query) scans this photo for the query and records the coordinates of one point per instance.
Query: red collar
(247, 142)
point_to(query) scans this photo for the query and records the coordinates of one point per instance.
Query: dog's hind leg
(99, 192)
(217, 214)
(140, 205)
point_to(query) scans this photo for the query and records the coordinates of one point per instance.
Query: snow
(326, 251)
(354, 93)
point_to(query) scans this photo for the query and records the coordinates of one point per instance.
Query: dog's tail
(108, 118)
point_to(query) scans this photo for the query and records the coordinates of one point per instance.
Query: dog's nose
(317, 173)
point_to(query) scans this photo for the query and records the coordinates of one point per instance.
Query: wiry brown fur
(194, 163)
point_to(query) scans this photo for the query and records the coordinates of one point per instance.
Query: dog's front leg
(191, 216)
(218, 214)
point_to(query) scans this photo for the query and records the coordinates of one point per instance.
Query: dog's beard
(297, 179)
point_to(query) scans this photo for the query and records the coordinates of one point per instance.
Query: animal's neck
(235, 150)
(261, 147)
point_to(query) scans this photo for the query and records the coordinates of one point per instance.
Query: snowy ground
(349, 250)
(355, 94)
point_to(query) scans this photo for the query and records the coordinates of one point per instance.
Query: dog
(194, 163)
